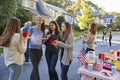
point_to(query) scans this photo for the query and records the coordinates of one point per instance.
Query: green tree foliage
(76, 6)
(112, 26)
(117, 22)
(19, 2)
(95, 6)
(59, 20)
(100, 27)
(7, 10)
(115, 13)
(87, 16)
(69, 6)
(11, 8)
(23, 15)
(55, 2)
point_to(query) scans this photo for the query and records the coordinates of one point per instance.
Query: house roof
(33, 11)
(108, 16)
(41, 8)
(56, 8)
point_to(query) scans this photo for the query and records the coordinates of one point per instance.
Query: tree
(19, 2)
(87, 16)
(59, 20)
(115, 13)
(7, 10)
(100, 27)
(23, 15)
(69, 6)
(96, 8)
(117, 22)
(55, 2)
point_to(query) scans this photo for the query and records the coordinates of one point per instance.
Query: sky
(108, 5)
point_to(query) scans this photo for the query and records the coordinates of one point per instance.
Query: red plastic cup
(24, 34)
(101, 57)
(51, 41)
(118, 53)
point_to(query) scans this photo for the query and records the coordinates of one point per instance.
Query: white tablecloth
(98, 74)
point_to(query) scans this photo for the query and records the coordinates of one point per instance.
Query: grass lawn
(1, 50)
(77, 35)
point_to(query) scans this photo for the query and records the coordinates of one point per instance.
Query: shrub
(77, 28)
(100, 27)
(1, 50)
(59, 20)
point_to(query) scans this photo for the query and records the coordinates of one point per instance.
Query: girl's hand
(55, 43)
(48, 36)
(26, 38)
(80, 37)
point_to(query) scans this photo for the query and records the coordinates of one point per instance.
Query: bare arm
(90, 39)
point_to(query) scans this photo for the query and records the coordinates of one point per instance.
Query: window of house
(111, 20)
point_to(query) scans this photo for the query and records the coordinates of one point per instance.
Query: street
(72, 74)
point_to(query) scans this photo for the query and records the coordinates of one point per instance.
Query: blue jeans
(27, 53)
(35, 55)
(64, 71)
(14, 70)
(51, 58)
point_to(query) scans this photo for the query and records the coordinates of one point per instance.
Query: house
(50, 12)
(78, 13)
(108, 19)
(99, 19)
(105, 20)
(56, 11)
(34, 8)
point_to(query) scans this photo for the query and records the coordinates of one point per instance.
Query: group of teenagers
(57, 43)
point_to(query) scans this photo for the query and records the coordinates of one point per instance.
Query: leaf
(87, 16)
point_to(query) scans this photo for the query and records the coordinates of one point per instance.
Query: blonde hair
(43, 24)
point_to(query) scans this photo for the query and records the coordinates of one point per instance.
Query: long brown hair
(64, 35)
(12, 27)
(93, 29)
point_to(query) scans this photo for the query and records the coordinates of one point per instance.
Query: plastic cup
(101, 56)
(51, 41)
(113, 69)
(24, 34)
(90, 66)
(118, 53)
